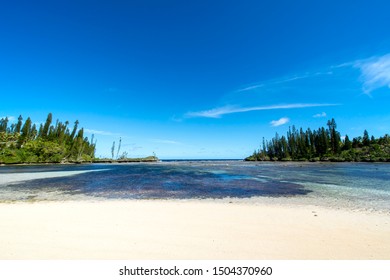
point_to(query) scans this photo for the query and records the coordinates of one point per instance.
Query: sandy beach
(192, 229)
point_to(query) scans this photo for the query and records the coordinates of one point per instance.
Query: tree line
(24, 142)
(325, 144)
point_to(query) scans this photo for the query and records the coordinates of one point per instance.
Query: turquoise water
(358, 185)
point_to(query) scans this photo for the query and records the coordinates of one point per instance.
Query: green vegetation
(123, 158)
(126, 160)
(24, 143)
(324, 144)
(50, 143)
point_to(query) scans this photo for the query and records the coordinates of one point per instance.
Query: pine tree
(18, 126)
(72, 135)
(50, 144)
(25, 132)
(119, 147)
(80, 144)
(34, 132)
(46, 127)
(366, 138)
(113, 149)
(3, 124)
(324, 143)
(347, 143)
(334, 137)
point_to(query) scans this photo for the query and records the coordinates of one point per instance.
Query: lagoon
(359, 186)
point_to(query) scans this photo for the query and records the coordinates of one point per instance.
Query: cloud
(101, 132)
(10, 118)
(214, 113)
(131, 147)
(375, 72)
(164, 141)
(283, 80)
(219, 112)
(135, 148)
(320, 115)
(111, 89)
(251, 87)
(176, 119)
(280, 122)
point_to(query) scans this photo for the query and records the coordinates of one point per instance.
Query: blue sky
(196, 79)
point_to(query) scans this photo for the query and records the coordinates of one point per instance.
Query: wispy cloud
(375, 72)
(333, 82)
(176, 119)
(101, 132)
(251, 87)
(320, 115)
(283, 80)
(280, 122)
(165, 141)
(132, 147)
(214, 113)
(10, 118)
(111, 89)
(219, 112)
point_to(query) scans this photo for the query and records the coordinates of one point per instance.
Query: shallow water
(358, 185)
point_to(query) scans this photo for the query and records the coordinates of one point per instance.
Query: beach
(189, 229)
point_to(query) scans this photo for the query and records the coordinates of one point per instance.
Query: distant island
(50, 143)
(323, 144)
(126, 160)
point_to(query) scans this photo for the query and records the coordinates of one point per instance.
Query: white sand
(20, 177)
(189, 230)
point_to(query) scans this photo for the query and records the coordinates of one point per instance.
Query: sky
(196, 79)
